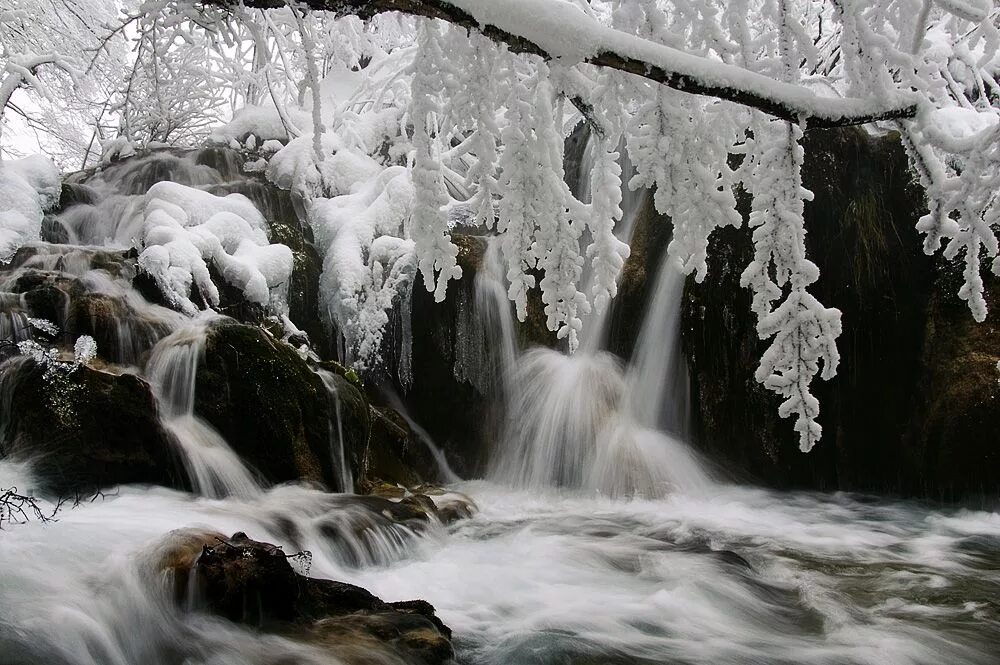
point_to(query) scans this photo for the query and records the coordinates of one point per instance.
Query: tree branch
(565, 27)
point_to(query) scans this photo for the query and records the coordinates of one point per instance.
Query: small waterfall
(657, 378)
(584, 421)
(570, 423)
(445, 473)
(338, 449)
(486, 343)
(212, 466)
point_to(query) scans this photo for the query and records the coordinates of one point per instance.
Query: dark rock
(279, 209)
(84, 430)
(251, 582)
(650, 235)
(908, 412)
(456, 411)
(951, 440)
(122, 335)
(393, 453)
(270, 406)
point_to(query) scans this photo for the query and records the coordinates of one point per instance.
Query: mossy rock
(269, 405)
(282, 215)
(393, 453)
(86, 430)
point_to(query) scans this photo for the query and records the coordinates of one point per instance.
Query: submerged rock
(252, 582)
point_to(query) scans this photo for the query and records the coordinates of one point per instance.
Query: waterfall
(338, 449)
(657, 378)
(586, 421)
(213, 468)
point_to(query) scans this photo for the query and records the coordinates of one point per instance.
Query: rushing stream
(733, 576)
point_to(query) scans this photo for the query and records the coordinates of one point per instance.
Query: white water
(643, 560)
(585, 421)
(212, 466)
(738, 576)
(657, 378)
(338, 450)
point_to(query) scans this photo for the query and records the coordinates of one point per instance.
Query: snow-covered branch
(559, 30)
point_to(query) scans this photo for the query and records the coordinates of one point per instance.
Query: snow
(261, 122)
(366, 264)
(955, 123)
(186, 230)
(28, 188)
(566, 33)
(115, 149)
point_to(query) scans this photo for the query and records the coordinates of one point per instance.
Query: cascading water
(657, 377)
(338, 449)
(582, 420)
(213, 468)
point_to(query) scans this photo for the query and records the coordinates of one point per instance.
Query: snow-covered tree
(404, 117)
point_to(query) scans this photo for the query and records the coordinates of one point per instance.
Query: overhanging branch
(627, 53)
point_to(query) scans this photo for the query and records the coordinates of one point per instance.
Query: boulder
(84, 430)
(253, 583)
(271, 407)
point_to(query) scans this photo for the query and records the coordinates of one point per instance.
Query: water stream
(735, 576)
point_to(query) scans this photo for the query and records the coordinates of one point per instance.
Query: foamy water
(738, 576)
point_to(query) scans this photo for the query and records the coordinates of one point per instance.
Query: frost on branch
(535, 215)
(435, 251)
(606, 252)
(680, 146)
(803, 333)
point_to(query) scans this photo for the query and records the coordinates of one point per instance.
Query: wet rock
(908, 412)
(174, 559)
(252, 582)
(650, 236)
(445, 505)
(84, 430)
(122, 335)
(952, 438)
(270, 406)
(393, 453)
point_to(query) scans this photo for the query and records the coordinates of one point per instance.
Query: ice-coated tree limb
(627, 53)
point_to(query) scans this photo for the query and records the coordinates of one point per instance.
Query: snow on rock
(116, 149)
(28, 188)
(365, 261)
(186, 230)
(262, 122)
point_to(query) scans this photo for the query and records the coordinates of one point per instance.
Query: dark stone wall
(901, 415)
